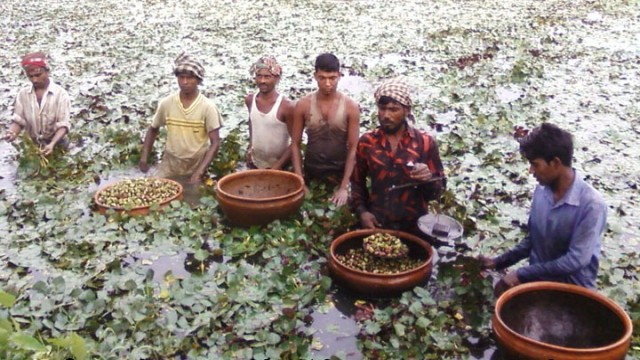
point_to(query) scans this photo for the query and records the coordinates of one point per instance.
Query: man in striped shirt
(42, 109)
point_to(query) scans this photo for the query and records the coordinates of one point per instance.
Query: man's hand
(48, 149)
(368, 220)
(511, 279)
(486, 262)
(340, 197)
(507, 282)
(10, 136)
(196, 178)
(420, 172)
(143, 166)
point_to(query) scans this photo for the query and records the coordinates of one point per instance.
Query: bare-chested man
(332, 121)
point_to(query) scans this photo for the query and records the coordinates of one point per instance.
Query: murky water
(7, 169)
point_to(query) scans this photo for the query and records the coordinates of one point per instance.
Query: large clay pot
(379, 285)
(140, 210)
(257, 197)
(549, 320)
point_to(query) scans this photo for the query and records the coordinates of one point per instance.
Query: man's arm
(359, 191)
(247, 102)
(214, 139)
(149, 139)
(341, 195)
(63, 114)
(521, 251)
(299, 110)
(13, 132)
(59, 134)
(433, 190)
(286, 114)
(17, 120)
(584, 241)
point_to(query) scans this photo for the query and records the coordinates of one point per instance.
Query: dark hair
(548, 141)
(327, 62)
(385, 100)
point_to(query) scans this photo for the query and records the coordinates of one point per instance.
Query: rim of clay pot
(569, 288)
(122, 208)
(231, 177)
(364, 232)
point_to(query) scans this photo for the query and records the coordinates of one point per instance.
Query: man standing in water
(566, 221)
(270, 118)
(42, 109)
(332, 122)
(192, 122)
(392, 155)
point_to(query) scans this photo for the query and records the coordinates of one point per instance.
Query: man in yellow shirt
(193, 122)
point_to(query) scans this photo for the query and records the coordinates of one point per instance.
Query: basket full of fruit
(380, 263)
(137, 196)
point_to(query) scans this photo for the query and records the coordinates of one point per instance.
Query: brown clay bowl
(140, 210)
(549, 320)
(379, 285)
(257, 197)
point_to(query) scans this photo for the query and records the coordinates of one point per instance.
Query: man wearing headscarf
(270, 118)
(393, 155)
(42, 109)
(193, 122)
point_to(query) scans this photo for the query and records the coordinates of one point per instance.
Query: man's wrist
(361, 210)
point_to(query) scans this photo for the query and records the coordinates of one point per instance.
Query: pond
(185, 284)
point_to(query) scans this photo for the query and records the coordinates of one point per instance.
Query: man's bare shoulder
(248, 99)
(303, 103)
(288, 103)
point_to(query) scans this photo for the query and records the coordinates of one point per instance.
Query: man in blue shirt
(566, 222)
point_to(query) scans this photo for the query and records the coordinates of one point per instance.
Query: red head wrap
(36, 59)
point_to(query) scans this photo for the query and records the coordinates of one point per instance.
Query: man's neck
(42, 87)
(563, 183)
(268, 96)
(189, 96)
(330, 96)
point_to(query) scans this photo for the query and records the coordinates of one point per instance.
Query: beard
(393, 128)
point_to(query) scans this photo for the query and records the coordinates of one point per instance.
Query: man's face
(266, 81)
(546, 173)
(392, 117)
(38, 76)
(187, 82)
(327, 81)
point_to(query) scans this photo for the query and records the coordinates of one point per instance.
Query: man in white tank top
(270, 118)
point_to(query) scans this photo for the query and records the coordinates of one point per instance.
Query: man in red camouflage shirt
(392, 155)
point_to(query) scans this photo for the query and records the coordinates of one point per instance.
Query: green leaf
(74, 343)
(7, 300)
(27, 342)
(399, 328)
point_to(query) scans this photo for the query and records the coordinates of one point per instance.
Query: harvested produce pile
(132, 193)
(359, 259)
(385, 245)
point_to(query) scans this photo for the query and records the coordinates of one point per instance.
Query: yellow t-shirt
(187, 129)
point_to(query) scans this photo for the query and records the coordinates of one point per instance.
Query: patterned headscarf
(185, 62)
(266, 62)
(395, 88)
(36, 59)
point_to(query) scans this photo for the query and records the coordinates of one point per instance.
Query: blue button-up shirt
(563, 244)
